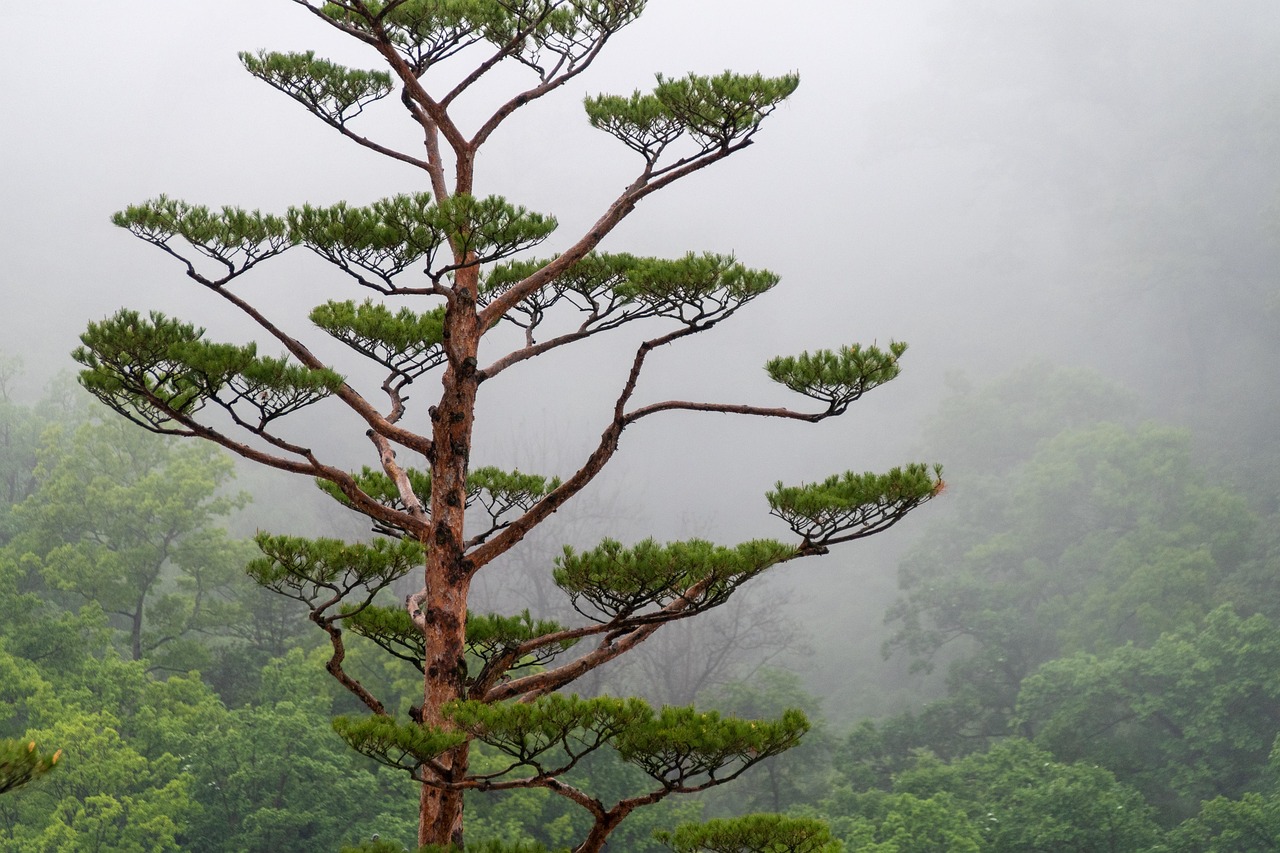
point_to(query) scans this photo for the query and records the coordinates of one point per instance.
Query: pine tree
(489, 678)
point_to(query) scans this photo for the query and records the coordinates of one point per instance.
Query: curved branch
(608, 445)
(503, 112)
(621, 207)
(334, 666)
(345, 392)
(726, 408)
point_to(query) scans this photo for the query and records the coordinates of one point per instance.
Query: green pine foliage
(20, 763)
(321, 573)
(611, 581)
(405, 342)
(328, 90)
(714, 112)
(837, 378)
(851, 506)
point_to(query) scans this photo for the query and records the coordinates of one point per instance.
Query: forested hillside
(1104, 609)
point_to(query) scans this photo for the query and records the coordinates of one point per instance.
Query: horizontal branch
(345, 392)
(725, 408)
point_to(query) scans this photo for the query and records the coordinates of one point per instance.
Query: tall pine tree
(444, 268)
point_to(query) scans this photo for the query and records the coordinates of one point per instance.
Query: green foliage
(398, 745)
(1190, 717)
(491, 635)
(488, 229)
(156, 371)
(1021, 799)
(498, 492)
(1246, 825)
(131, 368)
(668, 287)
(328, 90)
(641, 121)
(377, 485)
(106, 795)
(389, 627)
(759, 833)
(20, 763)
(837, 378)
(619, 582)
(551, 734)
(381, 240)
(126, 521)
(429, 31)
(715, 112)
(719, 110)
(612, 289)
(682, 747)
(557, 823)
(851, 506)
(405, 342)
(235, 239)
(502, 491)
(323, 572)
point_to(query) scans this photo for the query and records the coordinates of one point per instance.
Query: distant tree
(881, 822)
(1195, 716)
(21, 426)
(1013, 798)
(488, 678)
(127, 522)
(1092, 536)
(1247, 825)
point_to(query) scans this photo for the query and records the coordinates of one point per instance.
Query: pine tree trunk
(448, 573)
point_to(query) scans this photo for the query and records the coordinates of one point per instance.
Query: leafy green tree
(883, 822)
(127, 521)
(1021, 799)
(107, 796)
(486, 678)
(270, 775)
(1250, 824)
(1191, 718)
(1108, 535)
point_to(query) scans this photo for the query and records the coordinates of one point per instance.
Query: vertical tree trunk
(135, 627)
(448, 573)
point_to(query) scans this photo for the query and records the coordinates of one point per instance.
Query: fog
(1088, 184)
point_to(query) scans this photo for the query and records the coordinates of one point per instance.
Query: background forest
(1099, 608)
(1078, 649)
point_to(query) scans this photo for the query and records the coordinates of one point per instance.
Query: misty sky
(992, 182)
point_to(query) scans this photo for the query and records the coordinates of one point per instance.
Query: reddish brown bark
(447, 576)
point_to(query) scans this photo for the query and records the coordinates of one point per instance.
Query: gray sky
(1090, 182)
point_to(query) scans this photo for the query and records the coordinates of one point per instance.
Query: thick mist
(1084, 184)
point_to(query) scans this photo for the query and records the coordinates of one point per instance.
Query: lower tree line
(1104, 612)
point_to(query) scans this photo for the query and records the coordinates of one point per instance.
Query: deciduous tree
(127, 522)
(445, 270)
